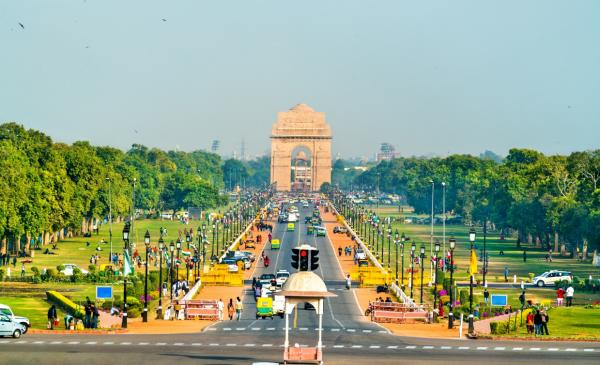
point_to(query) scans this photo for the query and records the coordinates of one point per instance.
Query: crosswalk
(373, 346)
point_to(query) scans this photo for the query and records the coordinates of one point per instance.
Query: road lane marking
(91, 343)
(338, 346)
(392, 347)
(21, 341)
(231, 344)
(267, 345)
(302, 329)
(4, 341)
(427, 347)
(570, 350)
(178, 344)
(356, 346)
(499, 348)
(143, 343)
(589, 350)
(196, 344)
(255, 329)
(271, 329)
(482, 348)
(161, 344)
(553, 349)
(374, 347)
(213, 344)
(351, 330)
(240, 329)
(108, 343)
(517, 349)
(446, 347)
(226, 329)
(411, 347)
(335, 330)
(367, 331)
(211, 329)
(250, 345)
(124, 343)
(534, 349)
(464, 347)
(73, 343)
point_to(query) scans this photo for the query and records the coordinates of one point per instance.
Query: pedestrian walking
(348, 281)
(230, 309)
(22, 269)
(537, 322)
(239, 307)
(221, 307)
(52, 316)
(506, 274)
(524, 256)
(95, 316)
(529, 323)
(486, 295)
(560, 295)
(569, 293)
(522, 299)
(87, 322)
(545, 320)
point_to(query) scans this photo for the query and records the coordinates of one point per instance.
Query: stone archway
(300, 127)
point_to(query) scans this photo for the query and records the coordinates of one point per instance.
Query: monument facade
(300, 150)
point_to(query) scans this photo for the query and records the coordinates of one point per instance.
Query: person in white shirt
(221, 307)
(570, 292)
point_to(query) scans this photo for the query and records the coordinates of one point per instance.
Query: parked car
(281, 277)
(10, 327)
(68, 270)
(6, 311)
(552, 277)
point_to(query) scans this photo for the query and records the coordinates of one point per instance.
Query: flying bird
(164, 19)
(22, 26)
(135, 130)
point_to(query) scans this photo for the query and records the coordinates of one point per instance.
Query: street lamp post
(389, 237)
(178, 245)
(396, 242)
(126, 248)
(212, 249)
(471, 274)
(422, 269)
(452, 242)
(435, 262)
(485, 258)
(403, 239)
(161, 247)
(147, 244)
(110, 220)
(172, 263)
(412, 268)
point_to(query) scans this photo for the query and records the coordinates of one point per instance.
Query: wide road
(347, 336)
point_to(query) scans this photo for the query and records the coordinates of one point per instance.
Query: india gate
(300, 150)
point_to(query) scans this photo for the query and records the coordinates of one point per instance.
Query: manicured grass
(513, 256)
(34, 308)
(76, 251)
(569, 323)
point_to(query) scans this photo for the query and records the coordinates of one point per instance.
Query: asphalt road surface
(347, 336)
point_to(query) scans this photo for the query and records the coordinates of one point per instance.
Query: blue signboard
(104, 292)
(499, 300)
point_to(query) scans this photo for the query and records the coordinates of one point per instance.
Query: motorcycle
(383, 288)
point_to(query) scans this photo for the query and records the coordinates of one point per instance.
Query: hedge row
(509, 325)
(65, 303)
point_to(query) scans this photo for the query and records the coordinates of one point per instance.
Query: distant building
(386, 152)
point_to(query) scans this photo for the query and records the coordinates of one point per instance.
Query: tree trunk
(3, 248)
(529, 238)
(555, 241)
(27, 247)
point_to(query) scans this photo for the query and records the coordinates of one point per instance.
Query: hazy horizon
(432, 78)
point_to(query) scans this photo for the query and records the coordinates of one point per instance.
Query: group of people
(347, 250)
(562, 293)
(92, 315)
(233, 309)
(6, 258)
(537, 323)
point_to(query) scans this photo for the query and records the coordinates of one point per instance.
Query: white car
(9, 327)
(552, 277)
(68, 271)
(360, 254)
(281, 277)
(6, 311)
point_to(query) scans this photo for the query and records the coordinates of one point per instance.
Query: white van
(6, 311)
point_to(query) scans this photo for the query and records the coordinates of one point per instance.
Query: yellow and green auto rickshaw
(291, 227)
(310, 229)
(264, 307)
(275, 244)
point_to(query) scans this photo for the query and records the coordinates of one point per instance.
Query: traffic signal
(314, 260)
(295, 257)
(304, 257)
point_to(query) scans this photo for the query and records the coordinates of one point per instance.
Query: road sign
(104, 292)
(499, 300)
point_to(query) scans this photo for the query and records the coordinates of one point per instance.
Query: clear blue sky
(426, 76)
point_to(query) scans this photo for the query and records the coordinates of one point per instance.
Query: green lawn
(570, 323)
(513, 257)
(76, 251)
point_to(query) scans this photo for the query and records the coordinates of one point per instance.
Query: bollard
(514, 279)
(460, 328)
